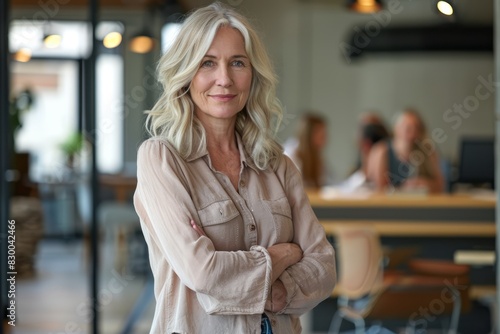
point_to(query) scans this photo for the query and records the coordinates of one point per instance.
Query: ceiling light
(52, 41)
(142, 43)
(23, 55)
(445, 8)
(365, 6)
(112, 40)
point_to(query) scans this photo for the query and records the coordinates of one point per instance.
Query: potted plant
(71, 147)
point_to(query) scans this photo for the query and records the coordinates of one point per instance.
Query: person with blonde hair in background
(406, 162)
(234, 244)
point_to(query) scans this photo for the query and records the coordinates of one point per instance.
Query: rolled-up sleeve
(312, 279)
(225, 282)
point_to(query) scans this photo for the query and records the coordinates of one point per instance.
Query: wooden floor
(57, 300)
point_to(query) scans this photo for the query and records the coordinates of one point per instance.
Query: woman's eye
(207, 63)
(238, 63)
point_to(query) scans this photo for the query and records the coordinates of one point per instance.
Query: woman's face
(408, 129)
(221, 86)
(319, 136)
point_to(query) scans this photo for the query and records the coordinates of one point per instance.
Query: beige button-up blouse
(219, 283)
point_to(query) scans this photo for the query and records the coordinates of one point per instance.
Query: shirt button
(242, 183)
(251, 227)
(273, 322)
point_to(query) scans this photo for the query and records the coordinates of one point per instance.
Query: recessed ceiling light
(445, 8)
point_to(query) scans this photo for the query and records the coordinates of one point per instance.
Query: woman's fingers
(197, 228)
(283, 256)
(277, 298)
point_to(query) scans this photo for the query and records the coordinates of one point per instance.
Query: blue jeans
(265, 325)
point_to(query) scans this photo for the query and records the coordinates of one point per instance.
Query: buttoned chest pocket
(223, 224)
(282, 218)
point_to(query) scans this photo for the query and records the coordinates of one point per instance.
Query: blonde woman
(234, 244)
(409, 161)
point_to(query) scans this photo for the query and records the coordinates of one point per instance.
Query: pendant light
(143, 41)
(365, 6)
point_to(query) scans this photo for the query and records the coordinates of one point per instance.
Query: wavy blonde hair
(173, 116)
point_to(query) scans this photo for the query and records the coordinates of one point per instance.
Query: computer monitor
(477, 161)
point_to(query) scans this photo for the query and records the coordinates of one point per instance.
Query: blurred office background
(329, 58)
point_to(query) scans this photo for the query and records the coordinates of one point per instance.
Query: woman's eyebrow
(235, 56)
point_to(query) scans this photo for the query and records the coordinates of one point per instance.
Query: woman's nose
(223, 77)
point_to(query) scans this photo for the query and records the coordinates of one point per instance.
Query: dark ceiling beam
(84, 3)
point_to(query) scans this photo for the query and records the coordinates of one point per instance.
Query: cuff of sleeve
(291, 289)
(269, 273)
(246, 305)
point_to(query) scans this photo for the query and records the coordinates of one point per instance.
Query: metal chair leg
(455, 315)
(410, 329)
(335, 324)
(360, 325)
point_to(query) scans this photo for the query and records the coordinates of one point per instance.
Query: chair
(365, 291)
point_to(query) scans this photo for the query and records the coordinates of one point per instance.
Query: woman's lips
(223, 97)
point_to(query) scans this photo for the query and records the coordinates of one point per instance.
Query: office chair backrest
(360, 258)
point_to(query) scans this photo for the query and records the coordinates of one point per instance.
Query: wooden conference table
(455, 215)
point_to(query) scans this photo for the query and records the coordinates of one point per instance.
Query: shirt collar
(245, 159)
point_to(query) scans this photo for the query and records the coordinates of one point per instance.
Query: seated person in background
(370, 117)
(406, 162)
(306, 151)
(369, 135)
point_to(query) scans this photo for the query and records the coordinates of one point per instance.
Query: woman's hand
(416, 183)
(277, 298)
(197, 228)
(283, 256)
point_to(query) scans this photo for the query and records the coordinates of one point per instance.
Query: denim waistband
(265, 325)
